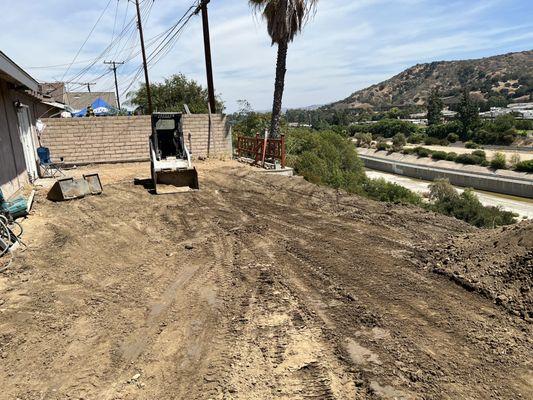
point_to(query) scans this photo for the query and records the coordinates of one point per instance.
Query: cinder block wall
(122, 139)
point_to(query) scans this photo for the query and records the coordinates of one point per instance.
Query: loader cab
(167, 135)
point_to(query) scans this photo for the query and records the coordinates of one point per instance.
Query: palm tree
(285, 19)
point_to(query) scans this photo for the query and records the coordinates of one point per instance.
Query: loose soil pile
(256, 287)
(496, 263)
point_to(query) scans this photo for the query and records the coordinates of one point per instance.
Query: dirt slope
(289, 292)
(496, 263)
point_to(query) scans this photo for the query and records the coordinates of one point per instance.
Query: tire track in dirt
(289, 291)
(443, 336)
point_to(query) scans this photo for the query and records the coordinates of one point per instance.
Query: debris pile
(496, 263)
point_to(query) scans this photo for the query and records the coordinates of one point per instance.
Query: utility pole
(114, 68)
(147, 81)
(207, 48)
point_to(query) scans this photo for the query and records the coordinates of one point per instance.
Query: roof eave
(10, 69)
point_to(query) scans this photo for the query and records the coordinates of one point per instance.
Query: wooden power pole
(114, 68)
(139, 25)
(207, 49)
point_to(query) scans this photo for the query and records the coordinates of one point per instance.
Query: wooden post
(265, 142)
(282, 151)
(257, 143)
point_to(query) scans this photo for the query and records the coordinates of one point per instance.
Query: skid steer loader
(172, 169)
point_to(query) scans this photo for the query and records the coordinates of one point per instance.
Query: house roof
(80, 100)
(11, 72)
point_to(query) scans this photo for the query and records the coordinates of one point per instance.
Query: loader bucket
(70, 188)
(95, 186)
(176, 181)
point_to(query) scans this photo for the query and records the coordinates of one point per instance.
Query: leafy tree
(434, 108)
(173, 94)
(389, 127)
(285, 19)
(248, 122)
(468, 116)
(394, 113)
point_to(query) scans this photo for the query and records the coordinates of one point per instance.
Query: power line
(164, 47)
(87, 39)
(115, 21)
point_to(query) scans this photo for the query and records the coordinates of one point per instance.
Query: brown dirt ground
(255, 287)
(496, 263)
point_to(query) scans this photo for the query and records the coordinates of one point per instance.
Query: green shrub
(452, 137)
(498, 161)
(439, 155)
(451, 156)
(387, 128)
(408, 151)
(382, 145)
(398, 141)
(416, 138)
(364, 139)
(525, 166)
(442, 131)
(380, 189)
(422, 151)
(472, 145)
(466, 206)
(325, 158)
(514, 160)
(524, 124)
(479, 153)
(431, 141)
(469, 159)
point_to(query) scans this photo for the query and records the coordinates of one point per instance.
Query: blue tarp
(100, 108)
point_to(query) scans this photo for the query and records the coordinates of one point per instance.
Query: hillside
(497, 79)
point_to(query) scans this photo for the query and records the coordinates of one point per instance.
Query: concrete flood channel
(520, 205)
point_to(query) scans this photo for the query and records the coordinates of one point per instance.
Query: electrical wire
(87, 39)
(172, 35)
(129, 29)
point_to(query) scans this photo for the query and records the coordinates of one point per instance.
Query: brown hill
(497, 79)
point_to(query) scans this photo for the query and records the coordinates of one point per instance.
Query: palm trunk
(281, 69)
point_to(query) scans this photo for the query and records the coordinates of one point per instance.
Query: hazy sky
(348, 45)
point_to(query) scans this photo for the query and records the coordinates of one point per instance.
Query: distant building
(448, 115)
(79, 100)
(56, 93)
(520, 110)
(299, 125)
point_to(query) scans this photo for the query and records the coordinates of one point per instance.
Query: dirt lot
(255, 287)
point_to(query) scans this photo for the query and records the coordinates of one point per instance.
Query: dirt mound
(497, 263)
